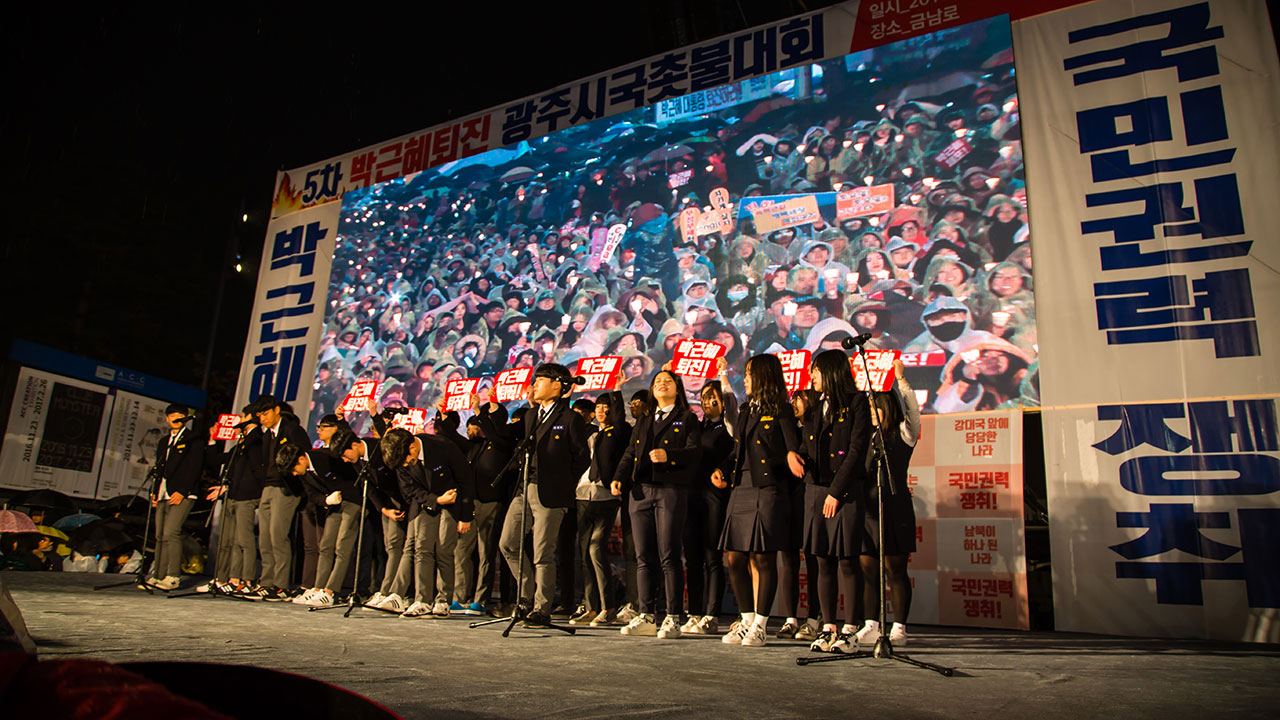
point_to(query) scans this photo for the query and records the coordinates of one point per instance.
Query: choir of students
(740, 492)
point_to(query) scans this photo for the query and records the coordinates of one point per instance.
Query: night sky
(135, 141)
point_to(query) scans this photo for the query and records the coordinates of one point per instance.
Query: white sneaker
(691, 625)
(440, 609)
(641, 625)
(737, 631)
(416, 610)
(809, 630)
(755, 636)
(846, 643)
(626, 614)
(869, 634)
(604, 618)
(376, 600)
(709, 625)
(670, 629)
(305, 597)
(898, 635)
(320, 598)
(394, 603)
(824, 641)
(205, 587)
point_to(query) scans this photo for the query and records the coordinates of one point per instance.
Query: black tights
(899, 586)
(850, 573)
(754, 577)
(789, 582)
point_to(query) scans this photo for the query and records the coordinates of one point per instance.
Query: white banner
(55, 433)
(136, 427)
(284, 330)
(1151, 125)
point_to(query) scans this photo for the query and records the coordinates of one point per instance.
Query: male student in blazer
(281, 494)
(383, 489)
(558, 456)
(180, 461)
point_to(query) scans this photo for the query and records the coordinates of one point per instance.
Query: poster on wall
(136, 428)
(55, 434)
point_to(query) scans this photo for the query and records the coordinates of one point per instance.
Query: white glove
(334, 498)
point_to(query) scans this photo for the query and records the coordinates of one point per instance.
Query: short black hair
(556, 373)
(287, 457)
(262, 404)
(585, 405)
(395, 447)
(641, 395)
(329, 419)
(342, 440)
(177, 408)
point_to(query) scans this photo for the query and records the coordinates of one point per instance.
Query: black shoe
(521, 611)
(536, 619)
(279, 595)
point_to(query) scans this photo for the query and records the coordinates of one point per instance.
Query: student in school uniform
(598, 508)
(656, 472)
(766, 457)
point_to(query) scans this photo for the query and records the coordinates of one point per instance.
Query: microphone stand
(523, 452)
(153, 477)
(225, 483)
(883, 648)
(355, 600)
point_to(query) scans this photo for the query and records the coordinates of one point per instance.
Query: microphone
(850, 343)
(246, 423)
(578, 380)
(185, 418)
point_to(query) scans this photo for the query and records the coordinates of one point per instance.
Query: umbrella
(493, 157)
(516, 174)
(98, 537)
(12, 521)
(59, 538)
(124, 503)
(774, 103)
(72, 522)
(473, 173)
(666, 153)
(938, 85)
(43, 498)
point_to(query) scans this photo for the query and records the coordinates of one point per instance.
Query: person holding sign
(765, 459)
(656, 472)
(837, 433)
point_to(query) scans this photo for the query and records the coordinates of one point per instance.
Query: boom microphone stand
(883, 648)
(225, 483)
(524, 453)
(355, 600)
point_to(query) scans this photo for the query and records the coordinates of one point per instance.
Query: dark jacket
(835, 448)
(247, 474)
(611, 441)
(489, 455)
(760, 455)
(287, 430)
(560, 453)
(384, 490)
(440, 468)
(181, 461)
(324, 477)
(678, 434)
(717, 442)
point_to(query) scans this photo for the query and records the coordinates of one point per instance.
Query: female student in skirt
(836, 437)
(897, 413)
(765, 460)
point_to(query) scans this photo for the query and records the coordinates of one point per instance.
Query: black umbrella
(44, 498)
(99, 537)
(667, 153)
(472, 173)
(124, 504)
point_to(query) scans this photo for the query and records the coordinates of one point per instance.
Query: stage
(440, 668)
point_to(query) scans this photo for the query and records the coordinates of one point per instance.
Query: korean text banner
(284, 330)
(55, 434)
(1152, 158)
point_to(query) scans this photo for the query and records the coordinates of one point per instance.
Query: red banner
(937, 358)
(225, 429)
(795, 368)
(697, 358)
(601, 373)
(415, 421)
(360, 399)
(861, 201)
(952, 154)
(510, 384)
(879, 370)
(457, 393)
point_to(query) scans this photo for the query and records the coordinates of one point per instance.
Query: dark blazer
(247, 474)
(560, 453)
(835, 448)
(182, 462)
(287, 430)
(440, 468)
(678, 434)
(489, 454)
(760, 455)
(324, 477)
(611, 441)
(383, 487)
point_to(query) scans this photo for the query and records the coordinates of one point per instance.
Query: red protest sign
(935, 358)
(225, 429)
(601, 372)
(610, 245)
(511, 384)
(879, 370)
(795, 368)
(360, 399)
(697, 358)
(952, 154)
(861, 201)
(457, 393)
(415, 421)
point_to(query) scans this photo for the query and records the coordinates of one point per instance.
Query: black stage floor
(439, 668)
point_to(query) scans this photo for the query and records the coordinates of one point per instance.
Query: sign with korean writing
(280, 354)
(862, 201)
(952, 154)
(457, 393)
(697, 358)
(510, 384)
(769, 216)
(877, 371)
(965, 480)
(695, 222)
(610, 245)
(361, 398)
(1157, 218)
(795, 368)
(55, 434)
(415, 421)
(601, 373)
(225, 428)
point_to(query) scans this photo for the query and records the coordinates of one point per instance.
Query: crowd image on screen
(501, 260)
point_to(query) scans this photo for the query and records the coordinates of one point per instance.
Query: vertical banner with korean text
(1151, 125)
(969, 567)
(55, 434)
(288, 311)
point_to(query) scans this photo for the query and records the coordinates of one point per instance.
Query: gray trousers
(544, 523)
(595, 522)
(169, 520)
(341, 527)
(237, 545)
(464, 571)
(275, 517)
(393, 536)
(428, 551)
